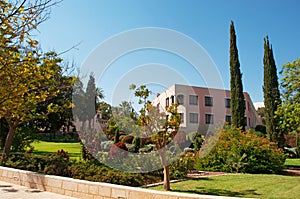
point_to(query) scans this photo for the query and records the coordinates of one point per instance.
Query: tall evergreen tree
(91, 99)
(271, 95)
(237, 102)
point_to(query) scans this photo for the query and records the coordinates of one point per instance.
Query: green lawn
(46, 148)
(242, 185)
(293, 162)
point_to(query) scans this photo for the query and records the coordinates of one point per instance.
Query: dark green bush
(60, 164)
(238, 151)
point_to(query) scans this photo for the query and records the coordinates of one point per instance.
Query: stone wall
(85, 189)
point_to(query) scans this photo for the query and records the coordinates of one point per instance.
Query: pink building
(203, 109)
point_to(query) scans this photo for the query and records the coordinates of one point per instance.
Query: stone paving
(13, 191)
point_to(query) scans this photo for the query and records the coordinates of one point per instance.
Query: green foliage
(59, 164)
(180, 168)
(237, 102)
(29, 77)
(271, 96)
(261, 129)
(101, 173)
(137, 144)
(105, 109)
(242, 151)
(198, 141)
(117, 136)
(288, 112)
(261, 113)
(23, 138)
(111, 128)
(91, 99)
(55, 164)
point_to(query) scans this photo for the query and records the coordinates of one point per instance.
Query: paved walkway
(13, 191)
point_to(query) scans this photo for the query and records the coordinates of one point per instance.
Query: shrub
(261, 129)
(23, 138)
(137, 144)
(25, 161)
(58, 164)
(128, 139)
(147, 148)
(181, 167)
(118, 151)
(238, 151)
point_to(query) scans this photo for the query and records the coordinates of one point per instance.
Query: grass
(242, 185)
(292, 162)
(46, 148)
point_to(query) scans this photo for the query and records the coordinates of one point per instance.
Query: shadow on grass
(217, 192)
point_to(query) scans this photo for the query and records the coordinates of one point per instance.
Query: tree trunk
(162, 153)
(9, 140)
(167, 178)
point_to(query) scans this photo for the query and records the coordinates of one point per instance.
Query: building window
(180, 99)
(227, 103)
(193, 117)
(228, 119)
(181, 118)
(208, 101)
(209, 118)
(167, 102)
(193, 100)
(172, 99)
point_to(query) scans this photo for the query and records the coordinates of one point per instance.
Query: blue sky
(91, 22)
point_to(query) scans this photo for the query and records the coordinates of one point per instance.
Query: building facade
(203, 109)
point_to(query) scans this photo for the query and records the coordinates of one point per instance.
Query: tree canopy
(288, 111)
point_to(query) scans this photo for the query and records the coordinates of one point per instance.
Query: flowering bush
(118, 151)
(242, 151)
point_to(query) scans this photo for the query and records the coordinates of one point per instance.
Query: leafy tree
(32, 90)
(111, 128)
(261, 113)
(105, 109)
(271, 95)
(237, 102)
(27, 76)
(63, 117)
(159, 126)
(288, 111)
(126, 118)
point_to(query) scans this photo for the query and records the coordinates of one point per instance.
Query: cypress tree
(90, 100)
(271, 95)
(237, 102)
